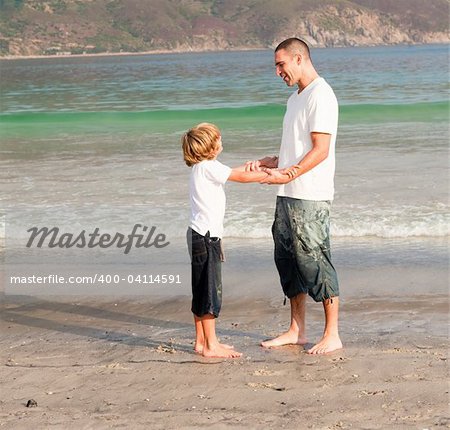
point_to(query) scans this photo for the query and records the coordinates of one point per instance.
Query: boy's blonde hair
(200, 143)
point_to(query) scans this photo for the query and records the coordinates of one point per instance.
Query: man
(305, 172)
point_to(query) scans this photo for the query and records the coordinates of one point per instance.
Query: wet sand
(127, 362)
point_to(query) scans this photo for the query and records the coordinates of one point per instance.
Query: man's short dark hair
(295, 45)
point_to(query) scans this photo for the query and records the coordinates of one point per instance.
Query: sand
(127, 362)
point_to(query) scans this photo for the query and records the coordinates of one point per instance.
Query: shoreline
(126, 54)
(195, 51)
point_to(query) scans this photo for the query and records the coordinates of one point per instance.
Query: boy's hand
(253, 166)
(257, 165)
(275, 176)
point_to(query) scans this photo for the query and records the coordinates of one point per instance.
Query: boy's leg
(211, 346)
(207, 294)
(330, 340)
(199, 335)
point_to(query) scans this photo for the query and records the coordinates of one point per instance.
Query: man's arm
(318, 153)
(239, 174)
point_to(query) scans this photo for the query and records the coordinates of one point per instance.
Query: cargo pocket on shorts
(314, 231)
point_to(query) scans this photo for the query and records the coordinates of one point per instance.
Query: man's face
(287, 66)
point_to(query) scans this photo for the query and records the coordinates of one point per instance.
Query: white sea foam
(383, 227)
(354, 221)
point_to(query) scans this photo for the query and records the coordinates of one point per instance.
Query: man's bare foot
(220, 351)
(326, 345)
(198, 348)
(288, 338)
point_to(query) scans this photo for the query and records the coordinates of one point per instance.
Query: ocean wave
(353, 221)
(387, 230)
(358, 230)
(389, 222)
(263, 115)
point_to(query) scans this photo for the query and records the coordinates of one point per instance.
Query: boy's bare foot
(220, 351)
(288, 338)
(226, 346)
(326, 345)
(198, 348)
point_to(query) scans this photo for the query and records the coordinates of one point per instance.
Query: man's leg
(285, 263)
(296, 335)
(330, 340)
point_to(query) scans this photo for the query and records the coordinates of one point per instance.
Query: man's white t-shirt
(315, 109)
(208, 197)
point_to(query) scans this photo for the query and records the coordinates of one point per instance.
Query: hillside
(46, 27)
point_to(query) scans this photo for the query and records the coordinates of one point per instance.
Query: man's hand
(275, 176)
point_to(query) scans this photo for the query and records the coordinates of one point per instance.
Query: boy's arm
(238, 174)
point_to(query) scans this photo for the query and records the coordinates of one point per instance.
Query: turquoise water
(31, 124)
(95, 141)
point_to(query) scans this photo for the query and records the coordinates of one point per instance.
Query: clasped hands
(269, 166)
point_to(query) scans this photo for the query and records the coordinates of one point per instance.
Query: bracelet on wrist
(292, 172)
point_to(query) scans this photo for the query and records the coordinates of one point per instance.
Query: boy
(201, 146)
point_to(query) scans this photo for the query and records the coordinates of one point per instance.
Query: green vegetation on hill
(38, 27)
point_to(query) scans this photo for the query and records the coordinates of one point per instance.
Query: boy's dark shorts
(301, 233)
(206, 265)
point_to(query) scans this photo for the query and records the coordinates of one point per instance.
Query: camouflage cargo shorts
(301, 234)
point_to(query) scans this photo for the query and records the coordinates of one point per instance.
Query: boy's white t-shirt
(315, 109)
(207, 197)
